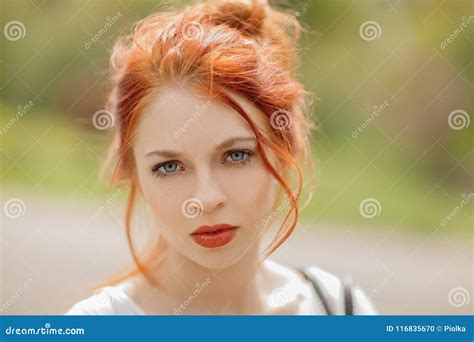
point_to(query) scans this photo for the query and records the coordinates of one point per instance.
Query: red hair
(214, 48)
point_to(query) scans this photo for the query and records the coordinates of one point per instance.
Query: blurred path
(57, 248)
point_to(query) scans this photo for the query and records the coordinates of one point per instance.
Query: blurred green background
(407, 157)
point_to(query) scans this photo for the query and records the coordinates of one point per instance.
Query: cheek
(164, 199)
(250, 192)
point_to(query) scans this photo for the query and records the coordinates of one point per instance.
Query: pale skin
(217, 163)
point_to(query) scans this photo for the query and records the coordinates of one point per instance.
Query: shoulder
(289, 292)
(109, 300)
(333, 291)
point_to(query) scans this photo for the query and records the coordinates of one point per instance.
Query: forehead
(179, 118)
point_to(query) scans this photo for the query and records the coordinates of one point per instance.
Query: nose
(209, 193)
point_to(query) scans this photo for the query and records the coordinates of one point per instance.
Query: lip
(214, 236)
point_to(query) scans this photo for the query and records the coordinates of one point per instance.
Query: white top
(112, 300)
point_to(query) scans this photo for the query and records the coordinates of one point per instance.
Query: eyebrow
(226, 144)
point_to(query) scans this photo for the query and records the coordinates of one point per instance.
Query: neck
(192, 288)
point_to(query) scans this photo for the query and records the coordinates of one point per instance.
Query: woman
(212, 134)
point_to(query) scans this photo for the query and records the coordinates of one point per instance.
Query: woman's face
(197, 164)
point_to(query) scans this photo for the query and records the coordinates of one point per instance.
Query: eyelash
(155, 169)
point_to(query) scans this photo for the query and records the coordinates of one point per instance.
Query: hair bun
(245, 16)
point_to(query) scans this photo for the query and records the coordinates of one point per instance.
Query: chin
(217, 258)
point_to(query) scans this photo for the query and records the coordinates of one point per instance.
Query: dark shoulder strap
(348, 298)
(317, 287)
(347, 289)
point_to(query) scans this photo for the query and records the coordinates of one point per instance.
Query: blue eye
(239, 157)
(164, 169)
(234, 158)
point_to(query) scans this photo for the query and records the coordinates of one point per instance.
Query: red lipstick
(214, 236)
